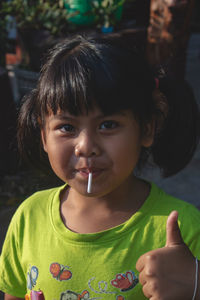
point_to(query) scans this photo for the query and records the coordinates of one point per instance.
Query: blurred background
(168, 33)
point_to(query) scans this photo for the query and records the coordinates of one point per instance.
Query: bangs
(88, 75)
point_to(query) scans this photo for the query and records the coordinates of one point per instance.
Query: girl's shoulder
(37, 203)
(167, 202)
(188, 214)
(160, 204)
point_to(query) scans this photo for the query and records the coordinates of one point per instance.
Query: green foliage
(49, 15)
(105, 11)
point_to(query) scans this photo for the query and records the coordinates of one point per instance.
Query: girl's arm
(169, 272)
(9, 297)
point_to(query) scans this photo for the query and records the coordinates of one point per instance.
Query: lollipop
(89, 186)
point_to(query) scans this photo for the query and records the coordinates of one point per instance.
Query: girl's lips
(85, 172)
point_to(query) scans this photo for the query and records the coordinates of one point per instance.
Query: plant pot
(81, 8)
(105, 29)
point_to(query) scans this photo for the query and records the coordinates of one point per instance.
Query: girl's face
(107, 146)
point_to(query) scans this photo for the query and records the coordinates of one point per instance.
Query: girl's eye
(109, 125)
(67, 128)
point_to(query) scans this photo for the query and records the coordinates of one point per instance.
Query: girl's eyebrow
(111, 115)
(121, 113)
(61, 118)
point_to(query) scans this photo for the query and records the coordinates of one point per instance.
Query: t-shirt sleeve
(12, 276)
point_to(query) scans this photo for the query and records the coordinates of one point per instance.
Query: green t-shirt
(41, 254)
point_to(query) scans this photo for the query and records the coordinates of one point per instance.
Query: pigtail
(176, 142)
(28, 135)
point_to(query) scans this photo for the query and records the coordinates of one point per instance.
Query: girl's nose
(86, 146)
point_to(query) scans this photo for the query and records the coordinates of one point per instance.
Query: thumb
(173, 234)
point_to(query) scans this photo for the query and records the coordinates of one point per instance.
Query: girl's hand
(168, 272)
(9, 297)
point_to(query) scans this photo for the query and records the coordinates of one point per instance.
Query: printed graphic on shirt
(102, 287)
(32, 276)
(60, 272)
(125, 282)
(95, 289)
(35, 295)
(69, 295)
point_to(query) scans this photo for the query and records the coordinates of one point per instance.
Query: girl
(98, 113)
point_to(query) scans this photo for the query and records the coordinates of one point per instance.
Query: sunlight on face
(111, 143)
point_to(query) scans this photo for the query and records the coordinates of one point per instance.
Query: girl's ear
(43, 138)
(148, 134)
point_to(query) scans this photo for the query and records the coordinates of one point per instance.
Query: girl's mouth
(85, 172)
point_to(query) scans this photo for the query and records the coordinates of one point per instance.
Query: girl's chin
(81, 189)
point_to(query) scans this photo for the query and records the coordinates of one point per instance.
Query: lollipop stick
(89, 186)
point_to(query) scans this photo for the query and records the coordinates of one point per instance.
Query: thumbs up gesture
(168, 272)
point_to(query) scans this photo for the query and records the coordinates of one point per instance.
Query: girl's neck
(87, 214)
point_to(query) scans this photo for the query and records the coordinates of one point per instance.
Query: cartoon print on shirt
(60, 272)
(69, 295)
(103, 287)
(32, 276)
(126, 281)
(37, 295)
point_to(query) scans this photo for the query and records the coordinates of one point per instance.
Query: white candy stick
(89, 186)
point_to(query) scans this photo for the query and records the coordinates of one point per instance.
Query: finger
(142, 278)
(147, 290)
(151, 290)
(140, 263)
(173, 234)
(147, 262)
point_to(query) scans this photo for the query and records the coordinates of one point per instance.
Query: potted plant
(106, 13)
(98, 13)
(39, 23)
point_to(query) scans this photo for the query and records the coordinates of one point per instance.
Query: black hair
(82, 72)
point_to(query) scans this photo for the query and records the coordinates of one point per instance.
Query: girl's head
(82, 73)
(85, 73)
